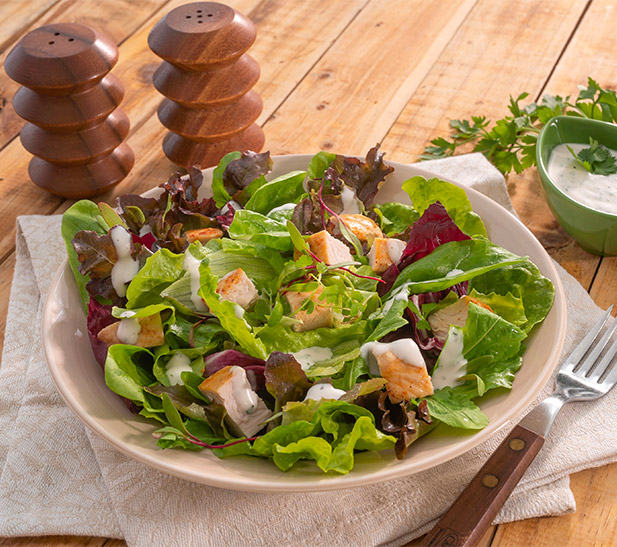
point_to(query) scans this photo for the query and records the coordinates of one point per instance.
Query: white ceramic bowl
(80, 380)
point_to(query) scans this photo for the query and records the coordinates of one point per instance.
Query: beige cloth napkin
(58, 478)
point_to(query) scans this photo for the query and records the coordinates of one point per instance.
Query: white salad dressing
(401, 293)
(126, 267)
(178, 364)
(454, 273)
(145, 230)
(245, 397)
(307, 357)
(596, 191)
(395, 249)
(191, 265)
(350, 204)
(128, 330)
(323, 391)
(404, 349)
(451, 363)
(284, 207)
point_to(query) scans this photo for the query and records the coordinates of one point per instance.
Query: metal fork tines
(594, 374)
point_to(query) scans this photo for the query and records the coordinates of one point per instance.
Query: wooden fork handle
(474, 510)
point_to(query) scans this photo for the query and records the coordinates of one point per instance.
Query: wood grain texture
(117, 19)
(16, 15)
(347, 86)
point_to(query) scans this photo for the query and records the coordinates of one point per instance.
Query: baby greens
(175, 326)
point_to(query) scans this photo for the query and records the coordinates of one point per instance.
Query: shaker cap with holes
(202, 34)
(61, 58)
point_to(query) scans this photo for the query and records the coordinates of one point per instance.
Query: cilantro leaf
(596, 159)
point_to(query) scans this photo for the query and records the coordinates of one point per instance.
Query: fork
(577, 380)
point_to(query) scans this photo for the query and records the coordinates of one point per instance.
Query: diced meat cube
(364, 228)
(246, 411)
(145, 332)
(321, 316)
(454, 314)
(237, 288)
(329, 249)
(385, 252)
(405, 380)
(203, 235)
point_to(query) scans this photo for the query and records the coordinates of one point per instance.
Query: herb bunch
(510, 144)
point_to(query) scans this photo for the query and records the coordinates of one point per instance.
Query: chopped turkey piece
(364, 228)
(203, 235)
(454, 314)
(405, 380)
(329, 249)
(246, 411)
(385, 252)
(237, 288)
(321, 316)
(145, 332)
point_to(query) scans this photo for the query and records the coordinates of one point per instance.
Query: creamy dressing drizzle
(323, 391)
(395, 249)
(128, 330)
(126, 267)
(178, 364)
(191, 265)
(284, 207)
(454, 273)
(399, 294)
(451, 364)
(239, 311)
(307, 357)
(350, 205)
(404, 349)
(245, 397)
(596, 191)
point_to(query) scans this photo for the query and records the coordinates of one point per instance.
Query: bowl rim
(542, 167)
(327, 482)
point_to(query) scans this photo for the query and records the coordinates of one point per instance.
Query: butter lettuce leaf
(424, 192)
(524, 281)
(253, 226)
(452, 263)
(285, 189)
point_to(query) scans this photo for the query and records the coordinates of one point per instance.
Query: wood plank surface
(342, 76)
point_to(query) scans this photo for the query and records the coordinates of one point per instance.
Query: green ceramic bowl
(595, 231)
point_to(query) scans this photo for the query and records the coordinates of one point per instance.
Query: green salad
(296, 318)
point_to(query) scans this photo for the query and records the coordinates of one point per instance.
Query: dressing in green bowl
(594, 230)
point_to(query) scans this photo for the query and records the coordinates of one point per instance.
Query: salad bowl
(80, 379)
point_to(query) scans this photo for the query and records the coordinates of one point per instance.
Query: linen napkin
(56, 477)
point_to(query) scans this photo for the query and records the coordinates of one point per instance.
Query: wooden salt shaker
(207, 78)
(70, 100)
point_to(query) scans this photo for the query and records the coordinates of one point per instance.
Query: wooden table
(342, 75)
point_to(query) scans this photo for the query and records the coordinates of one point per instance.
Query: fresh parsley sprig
(510, 144)
(596, 159)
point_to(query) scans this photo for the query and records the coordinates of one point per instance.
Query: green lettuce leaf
(524, 281)
(160, 270)
(220, 194)
(249, 225)
(395, 217)
(83, 215)
(127, 370)
(452, 263)
(454, 408)
(424, 192)
(225, 311)
(279, 191)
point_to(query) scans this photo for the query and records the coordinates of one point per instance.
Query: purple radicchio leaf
(99, 317)
(255, 367)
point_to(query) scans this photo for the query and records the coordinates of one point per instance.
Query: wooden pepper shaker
(207, 78)
(70, 100)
